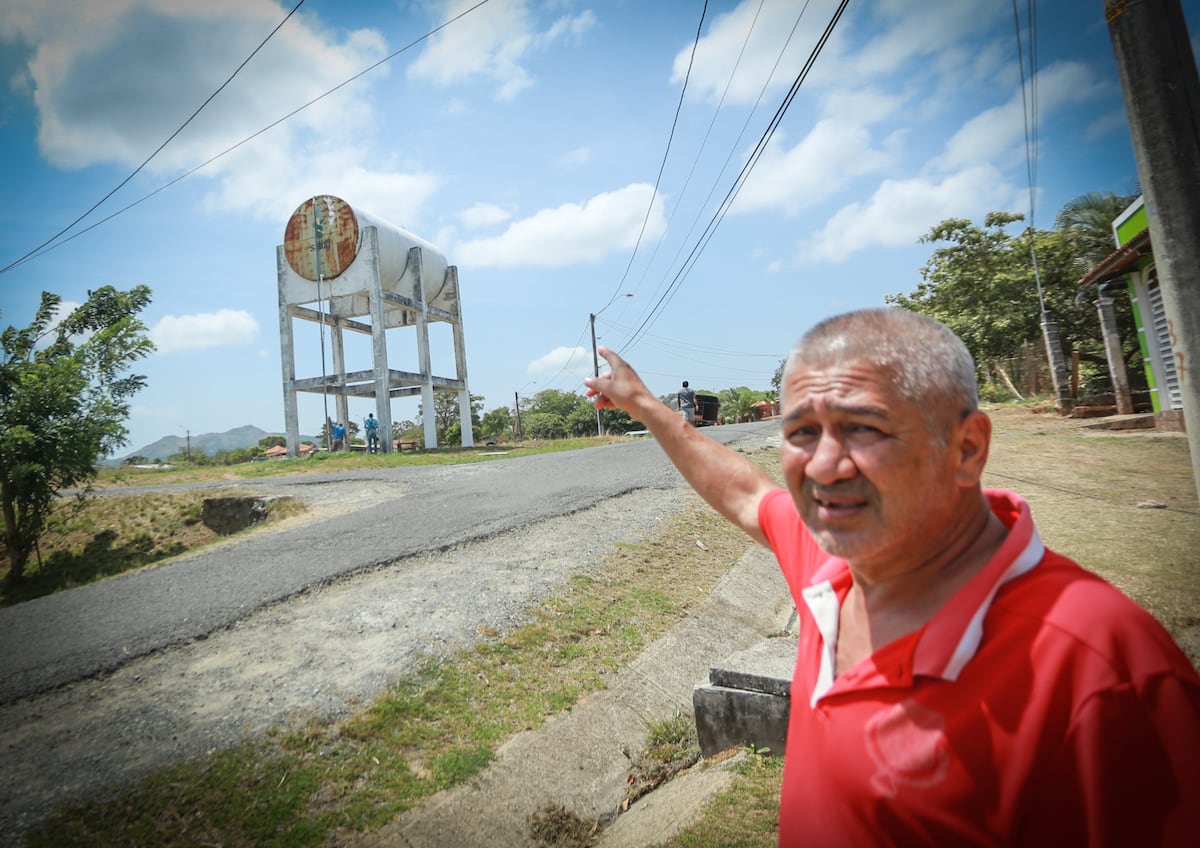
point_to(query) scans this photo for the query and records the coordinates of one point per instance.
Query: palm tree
(1088, 220)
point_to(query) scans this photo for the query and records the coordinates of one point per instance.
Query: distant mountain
(246, 436)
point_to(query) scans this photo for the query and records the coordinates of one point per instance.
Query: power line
(755, 155)
(737, 141)
(159, 149)
(663, 164)
(1028, 103)
(39, 251)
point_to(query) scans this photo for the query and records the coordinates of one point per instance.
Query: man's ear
(973, 437)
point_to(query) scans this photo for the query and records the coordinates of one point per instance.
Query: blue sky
(525, 141)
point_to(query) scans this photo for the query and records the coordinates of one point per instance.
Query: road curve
(77, 634)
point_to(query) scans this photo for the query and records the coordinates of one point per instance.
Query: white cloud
(105, 94)
(998, 133)
(824, 161)
(571, 233)
(725, 46)
(572, 360)
(483, 215)
(210, 329)
(901, 211)
(491, 42)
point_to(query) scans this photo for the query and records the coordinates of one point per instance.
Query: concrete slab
(764, 667)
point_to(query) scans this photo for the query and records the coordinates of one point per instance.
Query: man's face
(871, 480)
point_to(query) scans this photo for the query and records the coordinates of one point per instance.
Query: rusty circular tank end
(321, 238)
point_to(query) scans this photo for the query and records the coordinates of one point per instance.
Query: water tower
(346, 270)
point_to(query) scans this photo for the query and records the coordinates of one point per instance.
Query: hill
(246, 436)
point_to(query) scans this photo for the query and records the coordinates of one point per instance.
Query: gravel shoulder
(318, 653)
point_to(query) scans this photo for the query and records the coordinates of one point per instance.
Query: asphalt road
(75, 635)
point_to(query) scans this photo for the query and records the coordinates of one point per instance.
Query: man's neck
(878, 612)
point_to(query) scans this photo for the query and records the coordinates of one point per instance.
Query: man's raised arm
(730, 482)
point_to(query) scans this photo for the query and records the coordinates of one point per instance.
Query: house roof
(1120, 261)
(277, 450)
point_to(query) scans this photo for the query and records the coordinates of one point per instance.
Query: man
(956, 683)
(371, 425)
(685, 400)
(338, 432)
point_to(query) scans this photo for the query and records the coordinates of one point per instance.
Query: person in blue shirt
(338, 432)
(371, 425)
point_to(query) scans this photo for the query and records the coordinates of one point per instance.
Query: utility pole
(1162, 99)
(595, 369)
(517, 405)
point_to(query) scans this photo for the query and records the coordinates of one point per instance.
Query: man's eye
(865, 429)
(803, 434)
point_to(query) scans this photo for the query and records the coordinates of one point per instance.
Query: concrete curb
(578, 759)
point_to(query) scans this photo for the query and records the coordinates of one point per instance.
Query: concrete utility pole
(1162, 99)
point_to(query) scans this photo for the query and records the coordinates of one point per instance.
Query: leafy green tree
(777, 377)
(617, 421)
(1087, 220)
(272, 442)
(554, 402)
(581, 421)
(544, 425)
(445, 414)
(980, 282)
(496, 422)
(64, 399)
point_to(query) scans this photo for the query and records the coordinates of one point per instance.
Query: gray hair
(928, 364)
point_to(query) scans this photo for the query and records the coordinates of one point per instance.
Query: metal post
(595, 370)
(1162, 99)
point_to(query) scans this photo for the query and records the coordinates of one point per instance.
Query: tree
(445, 414)
(980, 282)
(496, 422)
(1088, 222)
(272, 442)
(63, 405)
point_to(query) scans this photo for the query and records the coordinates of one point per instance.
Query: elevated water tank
(325, 235)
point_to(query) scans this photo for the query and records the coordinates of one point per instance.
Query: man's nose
(829, 461)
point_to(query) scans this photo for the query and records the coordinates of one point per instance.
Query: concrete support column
(287, 361)
(1162, 99)
(1116, 359)
(1059, 372)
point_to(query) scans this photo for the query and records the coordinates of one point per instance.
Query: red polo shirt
(1039, 706)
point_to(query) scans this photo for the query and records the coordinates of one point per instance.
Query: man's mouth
(834, 505)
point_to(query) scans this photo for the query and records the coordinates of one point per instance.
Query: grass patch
(744, 816)
(92, 538)
(302, 786)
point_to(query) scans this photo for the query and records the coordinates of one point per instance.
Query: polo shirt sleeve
(794, 547)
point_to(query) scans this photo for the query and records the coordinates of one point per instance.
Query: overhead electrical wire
(755, 155)
(737, 141)
(666, 153)
(700, 150)
(1029, 113)
(45, 249)
(157, 150)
